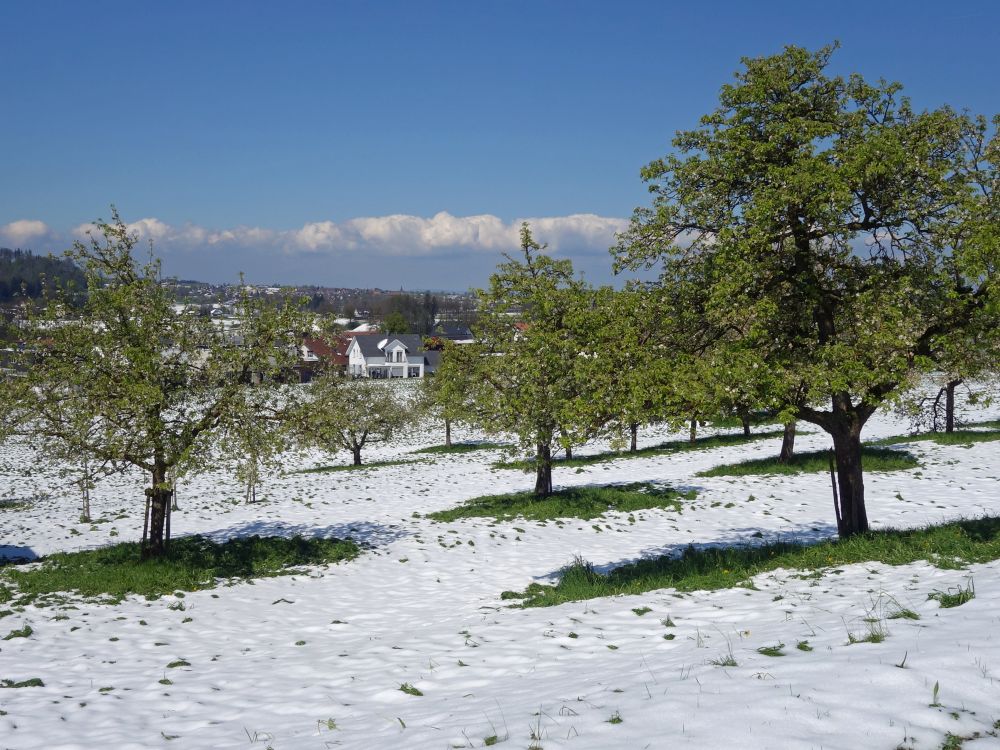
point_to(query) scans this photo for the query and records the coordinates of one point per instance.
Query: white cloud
(395, 235)
(23, 230)
(404, 235)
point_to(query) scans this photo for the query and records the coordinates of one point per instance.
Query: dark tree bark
(447, 432)
(787, 443)
(852, 518)
(745, 419)
(356, 452)
(693, 434)
(633, 445)
(569, 452)
(543, 470)
(949, 404)
(159, 511)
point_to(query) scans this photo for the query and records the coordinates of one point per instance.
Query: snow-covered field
(316, 660)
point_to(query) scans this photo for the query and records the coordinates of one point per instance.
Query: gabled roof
(369, 343)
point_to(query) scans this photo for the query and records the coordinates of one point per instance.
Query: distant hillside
(22, 273)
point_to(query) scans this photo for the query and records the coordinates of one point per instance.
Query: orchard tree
(626, 366)
(130, 383)
(253, 448)
(811, 207)
(971, 353)
(349, 415)
(522, 366)
(448, 394)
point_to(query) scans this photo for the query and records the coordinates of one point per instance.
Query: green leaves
(130, 382)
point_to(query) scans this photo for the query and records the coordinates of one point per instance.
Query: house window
(414, 372)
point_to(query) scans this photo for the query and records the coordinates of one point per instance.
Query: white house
(386, 356)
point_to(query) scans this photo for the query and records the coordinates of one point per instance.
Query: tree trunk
(173, 494)
(745, 419)
(787, 443)
(851, 518)
(85, 485)
(633, 445)
(356, 451)
(159, 508)
(949, 404)
(569, 452)
(543, 470)
(447, 432)
(693, 435)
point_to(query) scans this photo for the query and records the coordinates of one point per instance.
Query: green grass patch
(32, 682)
(730, 421)
(872, 459)
(191, 563)
(949, 545)
(576, 502)
(958, 437)
(7, 504)
(776, 650)
(994, 423)
(24, 632)
(459, 448)
(671, 446)
(955, 597)
(352, 467)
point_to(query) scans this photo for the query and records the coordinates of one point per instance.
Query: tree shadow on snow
(746, 538)
(365, 533)
(10, 553)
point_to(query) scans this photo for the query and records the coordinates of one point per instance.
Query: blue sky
(349, 143)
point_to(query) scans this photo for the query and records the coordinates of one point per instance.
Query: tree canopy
(129, 383)
(817, 214)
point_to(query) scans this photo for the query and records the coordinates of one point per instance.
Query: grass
(949, 545)
(459, 448)
(958, 437)
(724, 661)
(577, 502)
(409, 689)
(32, 682)
(671, 446)
(776, 650)
(955, 597)
(192, 563)
(873, 459)
(756, 419)
(24, 632)
(351, 467)
(6, 504)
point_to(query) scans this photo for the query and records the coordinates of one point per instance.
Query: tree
(523, 365)
(626, 364)
(395, 323)
(349, 415)
(128, 383)
(447, 394)
(811, 208)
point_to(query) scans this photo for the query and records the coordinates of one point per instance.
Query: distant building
(389, 356)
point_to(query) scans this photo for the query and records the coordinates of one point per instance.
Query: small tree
(350, 415)
(128, 383)
(447, 394)
(395, 322)
(253, 446)
(528, 345)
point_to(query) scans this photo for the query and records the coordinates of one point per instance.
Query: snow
(423, 607)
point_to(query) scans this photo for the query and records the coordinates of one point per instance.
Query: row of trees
(821, 247)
